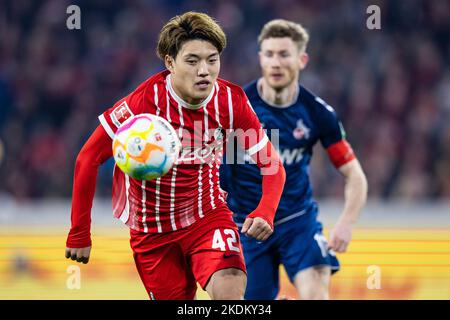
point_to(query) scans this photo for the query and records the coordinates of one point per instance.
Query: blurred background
(390, 87)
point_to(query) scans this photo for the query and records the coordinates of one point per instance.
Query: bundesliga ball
(146, 146)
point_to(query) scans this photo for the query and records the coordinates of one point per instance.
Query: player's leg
(313, 283)
(215, 254)
(227, 284)
(262, 262)
(162, 268)
(307, 259)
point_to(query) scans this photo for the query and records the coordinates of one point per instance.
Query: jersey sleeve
(247, 128)
(122, 110)
(332, 135)
(94, 152)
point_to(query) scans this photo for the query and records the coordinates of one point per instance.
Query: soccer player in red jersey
(181, 229)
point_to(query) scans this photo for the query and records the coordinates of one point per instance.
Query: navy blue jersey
(300, 126)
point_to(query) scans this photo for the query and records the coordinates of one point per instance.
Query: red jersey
(191, 189)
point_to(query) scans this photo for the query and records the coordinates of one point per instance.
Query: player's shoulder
(157, 78)
(235, 89)
(313, 102)
(251, 90)
(138, 99)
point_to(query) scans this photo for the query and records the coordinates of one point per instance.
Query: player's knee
(227, 294)
(314, 292)
(227, 284)
(313, 283)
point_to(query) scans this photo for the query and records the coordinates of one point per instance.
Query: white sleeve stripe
(106, 126)
(230, 107)
(155, 87)
(257, 147)
(126, 211)
(144, 207)
(251, 107)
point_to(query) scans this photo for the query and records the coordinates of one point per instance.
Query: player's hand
(340, 237)
(257, 228)
(79, 254)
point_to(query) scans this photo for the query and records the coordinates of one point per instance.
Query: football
(146, 146)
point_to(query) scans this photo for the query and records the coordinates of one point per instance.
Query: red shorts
(171, 264)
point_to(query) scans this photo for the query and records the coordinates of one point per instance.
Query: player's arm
(344, 159)
(95, 151)
(259, 223)
(355, 199)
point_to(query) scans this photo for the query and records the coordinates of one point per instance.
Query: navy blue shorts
(297, 244)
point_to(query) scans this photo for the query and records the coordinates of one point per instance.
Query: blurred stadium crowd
(391, 87)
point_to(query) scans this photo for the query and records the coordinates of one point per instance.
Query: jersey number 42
(230, 237)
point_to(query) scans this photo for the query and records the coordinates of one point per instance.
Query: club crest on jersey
(121, 113)
(302, 131)
(219, 134)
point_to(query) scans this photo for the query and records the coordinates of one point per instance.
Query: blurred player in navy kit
(302, 119)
